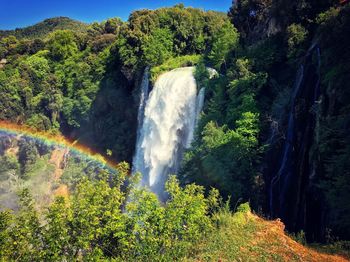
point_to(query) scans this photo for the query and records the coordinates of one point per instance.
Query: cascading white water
(170, 116)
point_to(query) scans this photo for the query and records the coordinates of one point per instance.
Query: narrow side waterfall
(200, 103)
(288, 146)
(169, 119)
(143, 98)
(293, 181)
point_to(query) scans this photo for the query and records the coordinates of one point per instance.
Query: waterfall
(288, 196)
(144, 90)
(200, 103)
(169, 118)
(143, 96)
(290, 136)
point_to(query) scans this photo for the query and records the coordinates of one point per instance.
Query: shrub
(172, 63)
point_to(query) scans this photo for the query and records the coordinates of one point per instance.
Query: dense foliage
(46, 170)
(226, 153)
(100, 221)
(45, 27)
(334, 136)
(242, 133)
(84, 83)
(277, 37)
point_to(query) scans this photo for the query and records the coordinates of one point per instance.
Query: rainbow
(57, 140)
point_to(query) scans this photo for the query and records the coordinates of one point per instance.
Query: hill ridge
(46, 26)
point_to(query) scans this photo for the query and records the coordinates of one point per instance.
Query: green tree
(112, 25)
(25, 234)
(40, 122)
(8, 162)
(187, 216)
(5, 240)
(36, 70)
(158, 46)
(56, 233)
(98, 225)
(164, 232)
(296, 35)
(224, 42)
(8, 46)
(147, 233)
(37, 65)
(62, 44)
(27, 155)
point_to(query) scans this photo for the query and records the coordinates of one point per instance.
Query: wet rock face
(273, 28)
(292, 194)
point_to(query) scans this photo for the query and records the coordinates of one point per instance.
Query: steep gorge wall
(305, 171)
(291, 173)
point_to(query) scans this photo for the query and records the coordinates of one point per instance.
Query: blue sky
(20, 13)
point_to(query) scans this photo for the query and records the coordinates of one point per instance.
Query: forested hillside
(85, 85)
(273, 132)
(45, 27)
(274, 128)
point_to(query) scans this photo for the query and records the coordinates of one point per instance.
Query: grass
(244, 236)
(338, 247)
(172, 63)
(231, 240)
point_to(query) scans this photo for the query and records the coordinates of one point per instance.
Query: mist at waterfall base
(166, 122)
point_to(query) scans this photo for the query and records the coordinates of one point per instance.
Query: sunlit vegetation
(247, 107)
(173, 63)
(83, 81)
(99, 221)
(45, 27)
(76, 81)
